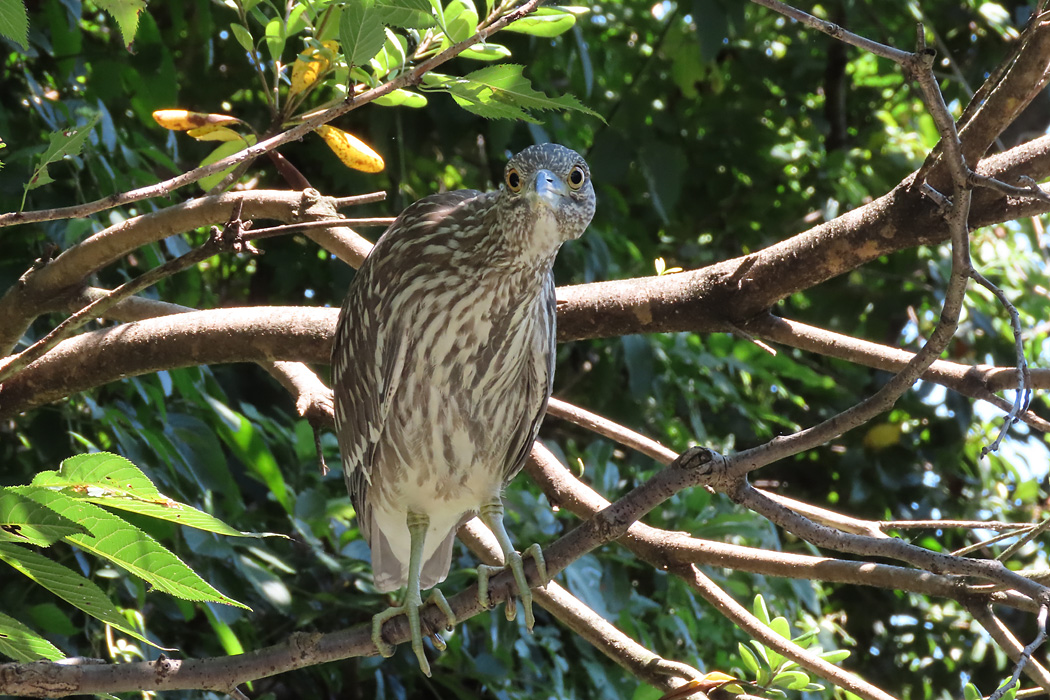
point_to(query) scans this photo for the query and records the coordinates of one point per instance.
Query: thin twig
(754, 628)
(1031, 534)
(1023, 394)
(1002, 636)
(340, 202)
(1026, 656)
(272, 231)
(407, 78)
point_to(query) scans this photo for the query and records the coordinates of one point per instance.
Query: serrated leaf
(128, 547)
(360, 32)
(501, 92)
(126, 12)
(25, 521)
(23, 644)
(64, 143)
(402, 98)
(545, 22)
(110, 480)
(408, 14)
(68, 585)
(14, 22)
(104, 473)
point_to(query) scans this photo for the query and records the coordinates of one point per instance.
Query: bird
(442, 366)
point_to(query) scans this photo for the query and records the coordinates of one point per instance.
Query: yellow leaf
(183, 120)
(310, 65)
(882, 436)
(354, 152)
(215, 132)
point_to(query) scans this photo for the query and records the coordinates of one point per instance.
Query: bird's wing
(538, 386)
(369, 351)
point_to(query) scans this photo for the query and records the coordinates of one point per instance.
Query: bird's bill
(549, 188)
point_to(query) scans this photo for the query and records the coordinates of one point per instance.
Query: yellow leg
(417, 530)
(492, 515)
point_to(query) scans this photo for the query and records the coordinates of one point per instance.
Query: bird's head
(550, 183)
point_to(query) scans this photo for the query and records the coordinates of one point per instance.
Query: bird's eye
(576, 178)
(513, 180)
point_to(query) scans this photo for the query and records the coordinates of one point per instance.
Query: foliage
(712, 129)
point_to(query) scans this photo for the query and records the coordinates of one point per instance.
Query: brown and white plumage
(444, 355)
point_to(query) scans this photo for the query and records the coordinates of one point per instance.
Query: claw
(417, 527)
(492, 515)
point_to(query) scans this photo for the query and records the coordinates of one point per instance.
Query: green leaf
(68, 585)
(112, 481)
(760, 610)
(243, 37)
(835, 656)
(14, 22)
(227, 148)
(791, 680)
(247, 442)
(21, 643)
(545, 22)
(25, 521)
(486, 52)
(402, 98)
(126, 12)
(748, 658)
(501, 92)
(129, 547)
(408, 14)
(361, 32)
(276, 35)
(461, 20)
(67, 142)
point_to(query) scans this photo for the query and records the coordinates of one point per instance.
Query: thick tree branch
(42, 288)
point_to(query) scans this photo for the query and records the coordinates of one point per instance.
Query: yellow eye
(513, 180)
(577, 177)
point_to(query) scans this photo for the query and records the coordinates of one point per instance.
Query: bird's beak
(549, 187)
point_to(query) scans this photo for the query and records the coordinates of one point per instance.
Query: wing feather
(369, 349)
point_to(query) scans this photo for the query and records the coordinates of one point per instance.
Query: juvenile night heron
(442, 367)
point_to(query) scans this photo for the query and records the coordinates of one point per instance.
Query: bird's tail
(391, 573)
(435, 569)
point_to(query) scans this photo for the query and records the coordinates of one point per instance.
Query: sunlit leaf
(132, 549)
(23, 644)
(24, 520)
(402, 98)
(67, 585)
(14, 22)
(409, 14)
(361, 32)
(354, 152)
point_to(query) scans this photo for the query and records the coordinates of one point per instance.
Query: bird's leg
(492, 515)
(417, 530)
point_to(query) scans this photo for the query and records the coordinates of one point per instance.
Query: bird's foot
(410, 608)
(517, 568)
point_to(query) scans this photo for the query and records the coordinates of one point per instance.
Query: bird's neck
(530, 253)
